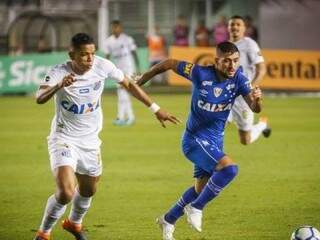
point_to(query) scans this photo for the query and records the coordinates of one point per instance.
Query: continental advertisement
(286, 69)
(22, 74)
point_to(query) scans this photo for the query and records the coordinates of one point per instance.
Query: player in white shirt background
(122, 49)
(73, 143)
(253, 65)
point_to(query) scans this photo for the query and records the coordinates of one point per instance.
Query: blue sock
(177, 210)
(215, 184)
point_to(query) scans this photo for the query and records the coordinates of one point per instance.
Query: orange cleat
(75, 229)
(42, 236)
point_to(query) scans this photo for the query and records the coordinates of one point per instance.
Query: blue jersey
(211, 100)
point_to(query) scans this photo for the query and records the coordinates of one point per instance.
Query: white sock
(80, 206)
(53, 212)
(121, 104)
(256, 131)
(129, 110)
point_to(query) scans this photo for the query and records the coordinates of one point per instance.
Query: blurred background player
(252, 63)
(202, 143)
(122, 49)
(74, 144)
(157, 51)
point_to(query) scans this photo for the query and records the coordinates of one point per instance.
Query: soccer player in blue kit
(214, 89)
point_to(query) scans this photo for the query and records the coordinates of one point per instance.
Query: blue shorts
(204, 154)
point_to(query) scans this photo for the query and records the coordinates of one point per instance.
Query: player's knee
(231, 171)
(87, 192)
(65, 195)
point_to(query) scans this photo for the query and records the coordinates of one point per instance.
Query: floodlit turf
(145, 172)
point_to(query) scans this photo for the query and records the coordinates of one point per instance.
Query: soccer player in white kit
(122, 49)
(252, 63)
(74, 144)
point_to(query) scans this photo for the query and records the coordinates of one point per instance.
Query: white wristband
(154, 107)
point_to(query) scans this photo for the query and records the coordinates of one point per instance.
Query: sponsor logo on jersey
(230, 86)
(187, 69)
(203, 92)
(210, 107)
(83, 90)
(217, 91)
(79, 109)
(206, 83)
(97, 85)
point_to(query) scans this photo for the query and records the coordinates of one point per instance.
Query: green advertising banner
(22, 74)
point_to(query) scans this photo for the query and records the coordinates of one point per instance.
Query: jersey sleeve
(112, 71)
(254, 53)
(189, 71)
(52, 77)
(244, 86)
(131, 44)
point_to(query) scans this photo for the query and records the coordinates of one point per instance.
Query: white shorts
(83, 161)
(241, 115)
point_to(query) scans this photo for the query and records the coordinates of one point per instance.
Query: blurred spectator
(157, 51)
(43, 46)
(181, 32)
(251, 30)
(220, 31)
(202, 35)
(16, 50)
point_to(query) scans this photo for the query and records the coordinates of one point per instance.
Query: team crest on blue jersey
(217, 91)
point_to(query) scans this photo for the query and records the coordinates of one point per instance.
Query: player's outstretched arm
(139, 94)
(157, 69)
(45, 93)
(254, 99)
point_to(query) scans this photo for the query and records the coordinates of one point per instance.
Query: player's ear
(71, 55)
(216, 60)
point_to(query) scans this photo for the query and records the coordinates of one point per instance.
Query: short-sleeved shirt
(250, 55)
(211, 100)
(120, 49)
(78, 114)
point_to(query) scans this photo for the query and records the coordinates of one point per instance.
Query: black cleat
(266, 132)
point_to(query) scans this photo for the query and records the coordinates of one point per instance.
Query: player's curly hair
(81, 39)
(227, 47)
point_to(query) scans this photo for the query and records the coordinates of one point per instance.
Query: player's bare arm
(259, 73)
(168, 64)
(45, 93)
(139, 94)
(254, 99)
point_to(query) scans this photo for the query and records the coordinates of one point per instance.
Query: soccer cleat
(42, 236)
(194, 217)
(119, 122)
(75, 229)
(167, 228)
(267, 131)
(129, 122)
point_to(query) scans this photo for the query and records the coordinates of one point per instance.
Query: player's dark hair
(81, 39)
(237, 17)
(115, 22)
(227, 47)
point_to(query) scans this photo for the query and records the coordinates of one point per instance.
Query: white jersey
(78, 115)
(250, 55)
(120, 48)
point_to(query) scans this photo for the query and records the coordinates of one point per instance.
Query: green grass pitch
(277, 189)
